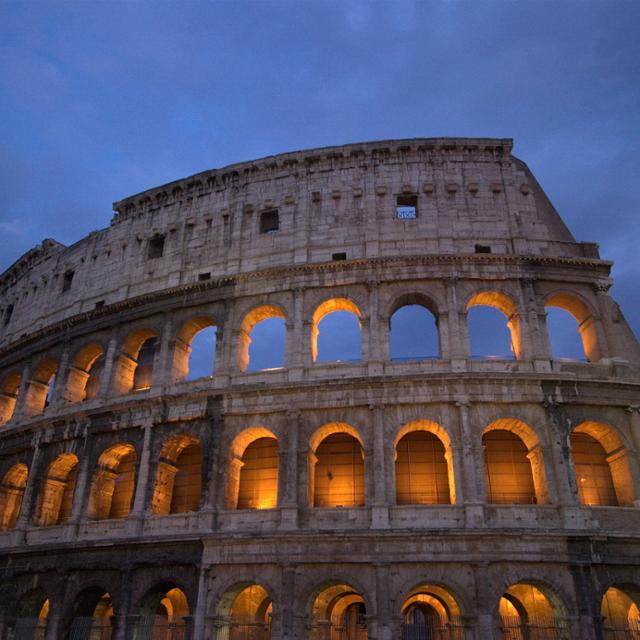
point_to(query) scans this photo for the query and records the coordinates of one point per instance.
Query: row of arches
(335, 335)
(335, 611)
(423, 466)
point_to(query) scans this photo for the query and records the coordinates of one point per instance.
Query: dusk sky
(101, 100)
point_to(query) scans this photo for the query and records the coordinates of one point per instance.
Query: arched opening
(489, 336)
(564, 335)
(195, 350)
(245, 613)
(252, 480)
(423, 464)
(134, 369)
(41, 386)
(528, 611)
(11, 492)
(56, 493)
(31, 614)
(620, 610)
(91, 616)
(336, 465)
(85, 374)
(413, 329)
(9, 390)
(262, 339)
(338, 612)
(601, 463)
(178, 485)
(113, 483)
(514, 465)
(586, 323)
(162, 614)
(430, 612)
(339, 338)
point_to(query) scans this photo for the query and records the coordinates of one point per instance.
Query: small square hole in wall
(483, 248)
(269, 221)
(407, 207)
(156, 247)
(204, 276)
(67, 280)
(339, 256)
(99, 304)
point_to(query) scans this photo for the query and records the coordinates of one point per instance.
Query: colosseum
(158, 480)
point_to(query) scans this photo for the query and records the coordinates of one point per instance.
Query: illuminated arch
(9, 389)
(11, 491)
(603, 474)
(162, 612)
(583, 315)
(432, 610)
(113, 483)
(253, 469)
(134, 370)
(428, 477)
(336, 467)
(514, 464)
(31, 613)
(245, 611)
(620, 611)
(83, 380)
(56, 492)
(338, 610)
(91, 614)
(251, 319)
(184, 341)
(324, 309)
(533, 609)
(40, 387)
(178, 486)
(503, 303)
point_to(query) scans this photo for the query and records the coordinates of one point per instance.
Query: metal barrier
(90, 629)
(514, 628)
(433, 629)
(159, 628)
(28, 629)
(328, 631)
(244, 631)
(621, 629)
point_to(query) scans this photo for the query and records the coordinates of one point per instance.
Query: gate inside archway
(163, 615)
(92, 615)
(31, 617)
(431, 613)
(339, 613)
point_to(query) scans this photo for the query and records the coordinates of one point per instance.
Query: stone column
(538, 348)
(294, 358)
(21, 400)
(384, 623)
(137, 512)
(634, 427)
(121, 629)
(376, 340)
(109, 366)
(201, 606)
(380, 505)
(58, 394)
(473, 468)
(27, 497)
(163, 358)
(53, 627)
(457, 329)
(83, 485)
(289, 497)
(288, 602)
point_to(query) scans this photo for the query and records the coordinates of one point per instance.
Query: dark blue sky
(101, 100)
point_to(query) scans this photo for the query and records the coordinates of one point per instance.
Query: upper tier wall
(334, 200)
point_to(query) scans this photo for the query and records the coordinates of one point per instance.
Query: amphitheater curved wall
(196, 253)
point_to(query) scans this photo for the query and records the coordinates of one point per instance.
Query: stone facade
(90, 465)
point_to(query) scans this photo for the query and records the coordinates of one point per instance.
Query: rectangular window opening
(66, 282)
(156, 247)
(483, 248)
(339, 256)
(269, 221)
(204, 276)
(407, 207)
(99, 304)
(7, 315)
